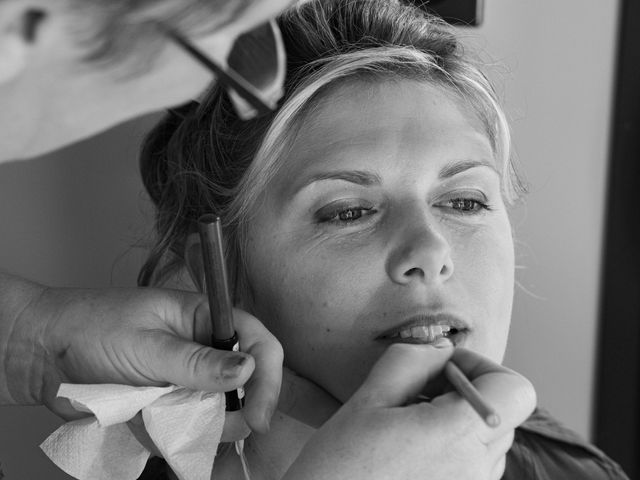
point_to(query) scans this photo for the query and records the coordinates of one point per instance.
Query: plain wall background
(71, 218)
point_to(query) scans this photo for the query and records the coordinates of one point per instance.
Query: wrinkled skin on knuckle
(139, 355)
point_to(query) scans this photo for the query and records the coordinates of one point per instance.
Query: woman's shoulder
(545, 449)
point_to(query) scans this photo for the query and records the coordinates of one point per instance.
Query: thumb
(195, 366)
(401, 374)
(511, 395)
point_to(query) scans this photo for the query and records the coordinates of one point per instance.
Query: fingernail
(233, 365)
(442, 342)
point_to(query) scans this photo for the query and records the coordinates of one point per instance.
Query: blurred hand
(142, 337)
(377, 435)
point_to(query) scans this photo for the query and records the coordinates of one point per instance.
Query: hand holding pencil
(465, 388)
(386, 435)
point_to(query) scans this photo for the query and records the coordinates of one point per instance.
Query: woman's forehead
(361, 120)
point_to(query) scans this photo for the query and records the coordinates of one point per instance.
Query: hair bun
(183, 111)
(153, 162)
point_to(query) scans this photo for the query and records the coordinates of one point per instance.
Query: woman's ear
(19, 26)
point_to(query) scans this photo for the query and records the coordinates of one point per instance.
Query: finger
(510, 394)
(499, 467)
(400, 374)
(63, 408)
(466, 389)
(263, 389)
(202, 328)
(137, 428)
(305, 401)
(500, 446)
(235, 427)
(474, 364)
(198, 367)
(504, 443)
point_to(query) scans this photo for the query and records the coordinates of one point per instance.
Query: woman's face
(387, 219)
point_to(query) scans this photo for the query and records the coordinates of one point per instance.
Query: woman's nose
(421, 253)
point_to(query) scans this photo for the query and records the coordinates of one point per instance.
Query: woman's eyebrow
(359, 177)
(457, 167)
(367, 178)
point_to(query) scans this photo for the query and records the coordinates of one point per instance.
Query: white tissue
(185, 426)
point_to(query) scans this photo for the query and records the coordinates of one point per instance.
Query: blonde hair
(205, 159)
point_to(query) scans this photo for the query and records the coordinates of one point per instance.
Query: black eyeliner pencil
(223, 336)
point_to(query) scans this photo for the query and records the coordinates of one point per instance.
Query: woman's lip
(425, 320)
(458, 339)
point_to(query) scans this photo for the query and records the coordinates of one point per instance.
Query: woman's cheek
(486, 252)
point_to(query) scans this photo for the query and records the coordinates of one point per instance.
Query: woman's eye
(350, 214)
(344, 215)
(466, 205)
